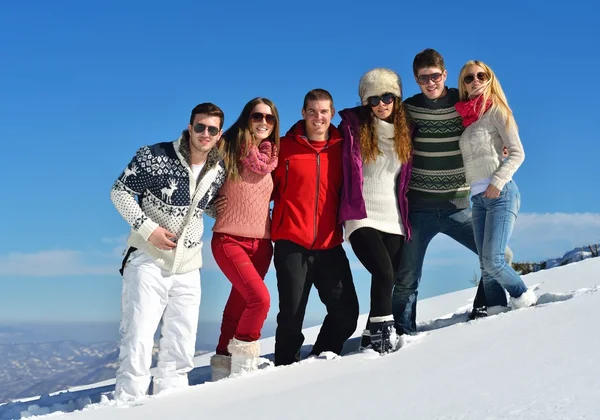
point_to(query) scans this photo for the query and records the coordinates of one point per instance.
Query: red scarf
(261, 159)
(470, 110)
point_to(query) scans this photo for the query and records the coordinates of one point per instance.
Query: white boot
(220, 366)
(526, 300)
(244, 355)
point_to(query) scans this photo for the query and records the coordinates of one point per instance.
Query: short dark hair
(317, 95)
(428, 58)
(208, 109)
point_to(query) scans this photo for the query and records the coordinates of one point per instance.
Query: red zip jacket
(306, 190)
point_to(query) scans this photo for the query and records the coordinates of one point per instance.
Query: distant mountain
(577, 254)
(33, 369)
(30, 369)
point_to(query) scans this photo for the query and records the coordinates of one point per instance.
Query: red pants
(245, 262)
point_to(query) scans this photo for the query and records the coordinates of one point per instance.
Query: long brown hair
(369, 147)
(238, 138)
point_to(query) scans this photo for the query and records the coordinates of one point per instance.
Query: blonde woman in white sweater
(489, 128)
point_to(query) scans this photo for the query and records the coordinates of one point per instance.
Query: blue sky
(84, 84)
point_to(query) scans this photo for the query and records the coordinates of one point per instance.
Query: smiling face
(202, 142)
(261, 130)
(318, 115)
(432, 81)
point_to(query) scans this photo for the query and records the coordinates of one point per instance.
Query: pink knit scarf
(261, 159)
(470, 110)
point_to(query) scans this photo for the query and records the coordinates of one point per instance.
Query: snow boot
(365, 340)
(244, 355)
(476, 313)
(526, 300)
(383, 334)
(220, 366)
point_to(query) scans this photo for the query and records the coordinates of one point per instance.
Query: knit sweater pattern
(169, 196)
(438, 175)
(379, 187)
(481, 145)
(247, 210)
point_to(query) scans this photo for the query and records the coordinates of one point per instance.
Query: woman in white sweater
(374, 207)
(489, 128)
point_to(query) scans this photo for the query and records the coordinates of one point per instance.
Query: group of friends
(388, 179)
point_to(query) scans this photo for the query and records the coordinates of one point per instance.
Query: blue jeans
(493, 223)
(426, 224)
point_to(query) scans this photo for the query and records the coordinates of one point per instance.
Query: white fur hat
(378, 81)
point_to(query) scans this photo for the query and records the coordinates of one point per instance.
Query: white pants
(152, 296)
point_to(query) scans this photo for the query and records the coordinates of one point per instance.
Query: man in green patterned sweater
(438, 193)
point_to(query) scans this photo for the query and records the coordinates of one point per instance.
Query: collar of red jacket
(298, 131)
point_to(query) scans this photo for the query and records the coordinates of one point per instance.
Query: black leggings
(380, 253)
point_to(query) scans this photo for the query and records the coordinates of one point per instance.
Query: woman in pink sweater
(241, 242)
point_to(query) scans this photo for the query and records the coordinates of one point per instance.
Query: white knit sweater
(379, 187)
(170, 197)
(481, 145)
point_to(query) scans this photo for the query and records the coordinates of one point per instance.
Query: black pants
(297, 270)
(380, 254)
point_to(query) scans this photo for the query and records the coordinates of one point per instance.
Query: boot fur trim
(244, 348)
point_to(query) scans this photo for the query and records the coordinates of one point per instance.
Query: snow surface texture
(533, 363)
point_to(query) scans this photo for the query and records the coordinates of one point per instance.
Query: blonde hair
(491, 90)
(369, 147)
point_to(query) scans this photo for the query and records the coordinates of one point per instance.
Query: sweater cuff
(498, 183)
(147, 228)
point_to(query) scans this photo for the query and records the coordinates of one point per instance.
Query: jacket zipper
(287, 168)
(317, 197)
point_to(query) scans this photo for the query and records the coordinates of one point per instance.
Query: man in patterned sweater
(174, 183)
(438, 193)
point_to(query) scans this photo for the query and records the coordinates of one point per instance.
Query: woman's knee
(260, 299)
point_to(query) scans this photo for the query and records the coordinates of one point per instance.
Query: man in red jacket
(307, 235)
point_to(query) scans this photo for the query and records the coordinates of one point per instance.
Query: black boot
(480, 312)
(383, 336)
(365, 340)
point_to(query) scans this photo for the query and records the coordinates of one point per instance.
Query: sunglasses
(481, 76)
(425, 78)
(212, 130)
(258, 117)
(386, 98)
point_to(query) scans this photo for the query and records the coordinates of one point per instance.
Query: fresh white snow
(535, 363)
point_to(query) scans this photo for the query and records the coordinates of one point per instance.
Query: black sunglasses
(212, 130)
(481, 76)
(425, 78)
(386, 98)
(258, 117)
